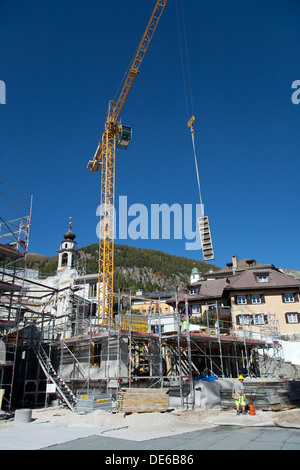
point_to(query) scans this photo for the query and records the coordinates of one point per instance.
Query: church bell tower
(67, 258)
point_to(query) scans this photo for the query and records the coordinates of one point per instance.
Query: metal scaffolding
(51, 355)
(162, 350)
(15, 219)
(70, 355)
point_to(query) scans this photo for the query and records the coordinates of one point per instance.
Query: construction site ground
(59, 428)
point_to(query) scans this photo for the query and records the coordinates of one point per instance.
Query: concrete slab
(294, 438)
(263, 446)
(217, 438)
(248, 421)
(238, 434)
(39, 434)
(141, 436)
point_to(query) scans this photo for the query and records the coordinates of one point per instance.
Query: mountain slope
(135, 268)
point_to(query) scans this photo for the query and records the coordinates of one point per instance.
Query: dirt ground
(168, 423)
(174, 421)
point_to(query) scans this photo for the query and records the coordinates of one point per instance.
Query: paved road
(218, 438)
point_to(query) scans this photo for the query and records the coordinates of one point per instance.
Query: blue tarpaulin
(206, 378)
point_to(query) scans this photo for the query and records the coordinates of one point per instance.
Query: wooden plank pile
(143, 400)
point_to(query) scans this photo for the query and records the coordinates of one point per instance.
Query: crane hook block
(124, 137)
(191, 122)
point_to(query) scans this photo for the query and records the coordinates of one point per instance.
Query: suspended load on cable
(206, 240)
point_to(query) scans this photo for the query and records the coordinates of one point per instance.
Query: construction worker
(238, 393)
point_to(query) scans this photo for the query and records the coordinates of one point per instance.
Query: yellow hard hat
(241, 377)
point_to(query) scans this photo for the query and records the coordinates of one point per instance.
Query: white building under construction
(54, 346)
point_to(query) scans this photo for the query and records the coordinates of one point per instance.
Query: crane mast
(104, 159)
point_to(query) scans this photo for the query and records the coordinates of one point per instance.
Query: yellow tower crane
(115, 134)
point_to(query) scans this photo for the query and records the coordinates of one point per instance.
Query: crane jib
(139, 56)
(115, 111)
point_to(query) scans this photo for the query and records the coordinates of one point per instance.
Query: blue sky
(63, 61)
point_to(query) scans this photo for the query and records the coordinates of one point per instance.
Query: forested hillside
(135, 268)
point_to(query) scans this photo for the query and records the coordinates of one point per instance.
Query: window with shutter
(292, 317)
(258, 319)
(256, 299)
(289, 298)
(241, 300)
(245, 320)
(196, 308)
(262, 278)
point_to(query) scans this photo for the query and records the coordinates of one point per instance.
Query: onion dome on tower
(69, 235)
(67, 258)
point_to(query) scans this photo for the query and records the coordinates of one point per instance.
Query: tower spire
(67, 252)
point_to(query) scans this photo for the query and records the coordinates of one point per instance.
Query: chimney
(234, 263)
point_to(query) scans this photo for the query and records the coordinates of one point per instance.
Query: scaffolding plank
(8, 251)
(7, 286)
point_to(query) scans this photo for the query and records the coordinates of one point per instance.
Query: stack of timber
(270, 395)
(143, 400)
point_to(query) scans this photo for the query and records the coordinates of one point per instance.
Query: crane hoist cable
(203, 221)
(184, 63)
(187, 80)
(190, 125)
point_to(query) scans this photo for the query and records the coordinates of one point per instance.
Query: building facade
(252, 291)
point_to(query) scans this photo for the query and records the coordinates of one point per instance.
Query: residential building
(153, 302)
(255, 293)
(252, 291)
